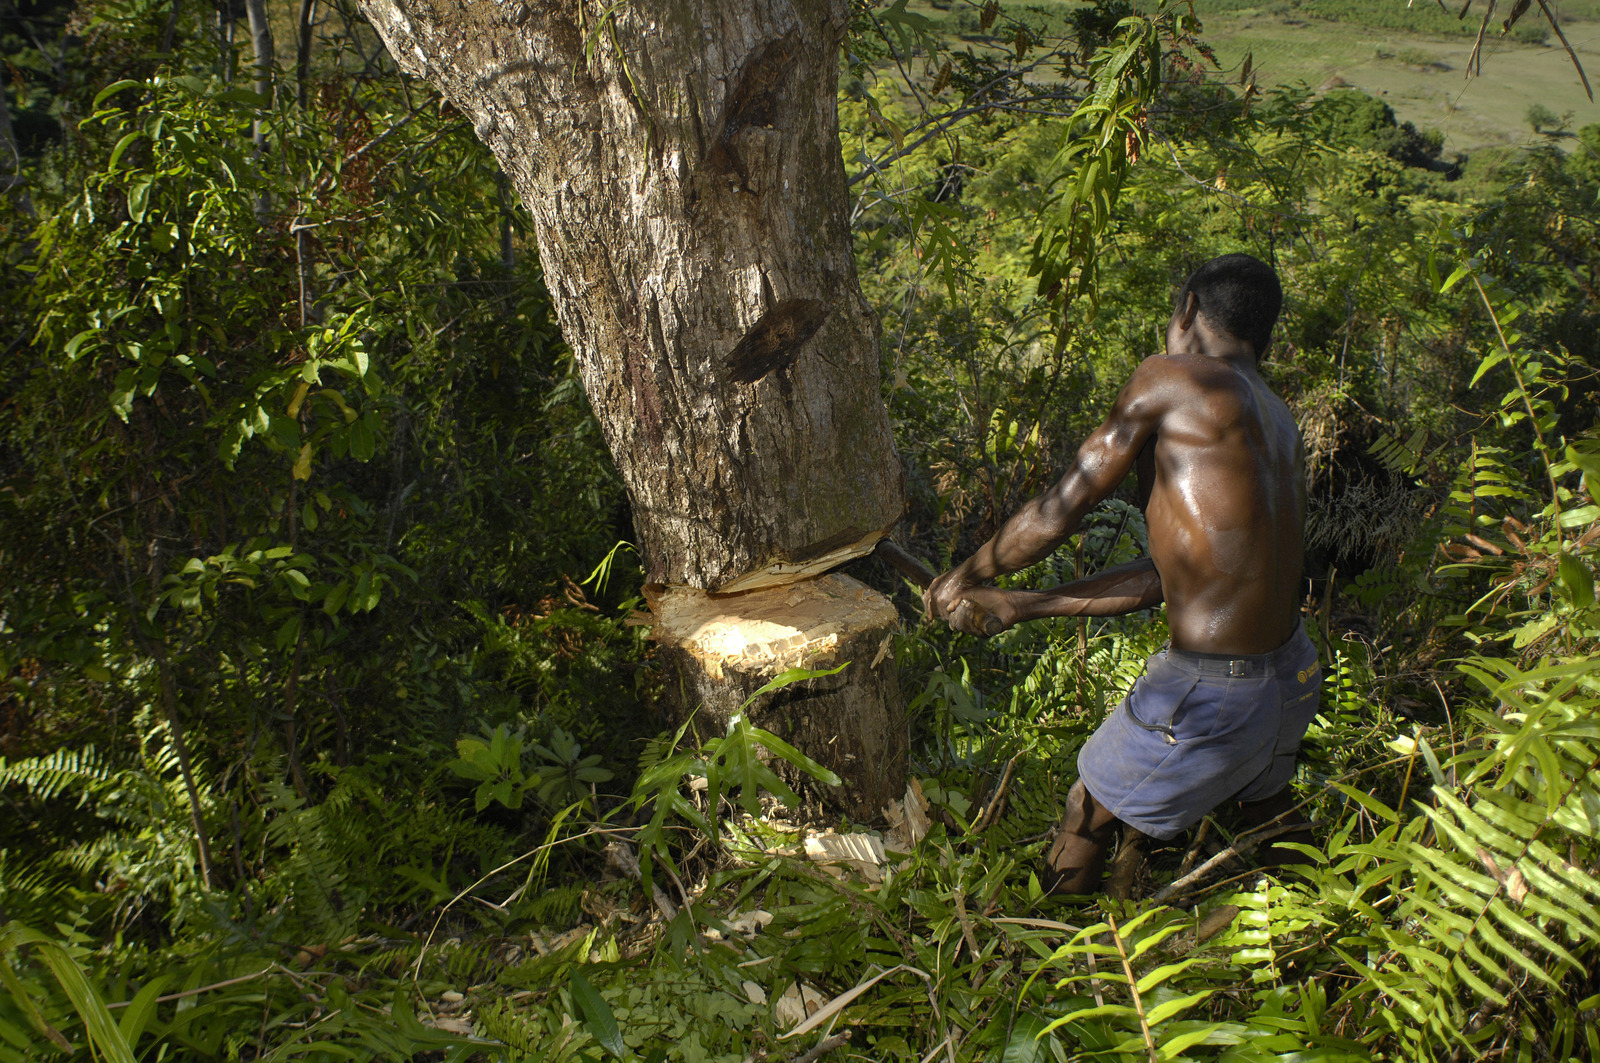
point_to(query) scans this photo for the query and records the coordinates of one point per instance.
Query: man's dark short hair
(1239, 294)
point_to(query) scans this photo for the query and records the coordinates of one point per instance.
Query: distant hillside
(1414, 57)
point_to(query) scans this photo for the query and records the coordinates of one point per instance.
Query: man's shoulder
(1160, 367)
(1184, 375)
(1169, 378)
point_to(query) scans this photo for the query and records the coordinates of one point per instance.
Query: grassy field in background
(1414, 58)
(1290, 47)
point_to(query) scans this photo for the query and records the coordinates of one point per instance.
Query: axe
(915, 571)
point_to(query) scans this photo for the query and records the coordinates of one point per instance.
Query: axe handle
(915, 571)
(890, 554)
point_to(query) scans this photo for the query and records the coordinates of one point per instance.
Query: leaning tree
(681, 162)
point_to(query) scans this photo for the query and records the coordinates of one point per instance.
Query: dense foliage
(317, 743)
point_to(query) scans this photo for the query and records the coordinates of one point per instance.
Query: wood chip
(862, 852)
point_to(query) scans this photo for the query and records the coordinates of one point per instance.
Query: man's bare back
(1226, 507)
(1221, 468)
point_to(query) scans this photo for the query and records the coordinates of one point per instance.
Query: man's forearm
(1109, 592)
(1030, 534)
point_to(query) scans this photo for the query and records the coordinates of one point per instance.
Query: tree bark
(681, 162)
(302, 51)
(261, 39)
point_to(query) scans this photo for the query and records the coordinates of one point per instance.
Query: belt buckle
(1236, 669)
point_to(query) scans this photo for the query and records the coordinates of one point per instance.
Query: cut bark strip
(718, 649)
(780, 573)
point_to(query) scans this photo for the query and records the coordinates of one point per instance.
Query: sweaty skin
(1222, 472)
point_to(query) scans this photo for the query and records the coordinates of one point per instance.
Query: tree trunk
(681, 161)
(12, 180)
(722, 648)
(261, 39)
(302, 51)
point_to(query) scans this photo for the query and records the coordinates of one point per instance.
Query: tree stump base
(719, 649)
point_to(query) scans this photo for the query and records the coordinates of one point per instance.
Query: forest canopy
(330, 723)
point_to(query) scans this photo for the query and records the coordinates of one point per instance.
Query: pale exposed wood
(780, 573)
(718, 649)
(764, 632)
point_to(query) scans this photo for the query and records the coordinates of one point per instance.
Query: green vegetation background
(326, 733)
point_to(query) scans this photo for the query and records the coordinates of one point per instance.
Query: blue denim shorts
(1198, 729)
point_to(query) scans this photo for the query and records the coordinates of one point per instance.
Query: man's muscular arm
(1109, 592)
(1040, 525)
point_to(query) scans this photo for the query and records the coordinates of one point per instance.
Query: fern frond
(557, 906)
(48, 776)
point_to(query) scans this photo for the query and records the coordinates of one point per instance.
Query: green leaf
(363, 437)
(1162, 973)
(1487, 364)
(1578, 579)
(597, 1016)
(793, 675)
(1026, 1044)
(466, 768)
(289, 633)
(363, 590)
(141, 1009)
(302, 462)
(1166, 1010)
(139, 198)
(114, 88)
(164, 237)
(123, 145)
(789, 753)
(1455, 276)
(1589, 464)
(336, 597)
(97, 1023)
(24, 1000)
(244, 96)
(1172, 1046)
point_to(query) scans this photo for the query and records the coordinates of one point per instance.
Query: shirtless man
(1219, 714)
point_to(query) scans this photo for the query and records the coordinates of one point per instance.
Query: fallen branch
(991, 810)
(1194, 849)
(202, 989)
(823, 1047)
(1244, 844)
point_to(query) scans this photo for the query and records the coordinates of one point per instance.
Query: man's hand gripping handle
(981, 620)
